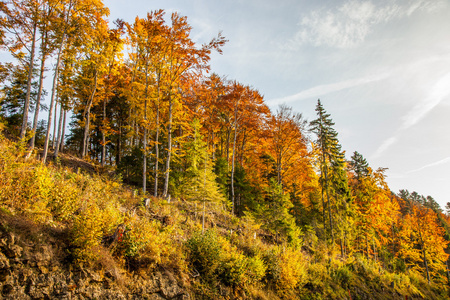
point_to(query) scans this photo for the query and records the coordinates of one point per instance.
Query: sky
(380, 68)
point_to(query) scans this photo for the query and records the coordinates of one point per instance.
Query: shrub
(317, 275)
(293, 272)
(87, 232)
(287, 269)
(342, 275)
(233, 269)
(205, 252)
(256, 268)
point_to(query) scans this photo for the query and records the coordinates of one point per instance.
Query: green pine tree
(330, 153)
(359, 165)
(198, 181)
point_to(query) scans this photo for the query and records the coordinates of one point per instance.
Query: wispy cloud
(384, 146)
(438, 92)
(324, 89)
(437, 163)
(351, 22)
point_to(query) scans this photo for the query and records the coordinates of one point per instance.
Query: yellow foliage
(87, 232)
(293, 272)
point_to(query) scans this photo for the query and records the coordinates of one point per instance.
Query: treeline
(143, 102)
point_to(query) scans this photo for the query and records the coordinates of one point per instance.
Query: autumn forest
(139, 102)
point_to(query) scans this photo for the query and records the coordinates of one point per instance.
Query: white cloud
(384, 146)
(437, 163)
(324, 89)
(439, 92)
(350, 23)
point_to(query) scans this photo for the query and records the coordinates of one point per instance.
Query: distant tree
(447, 208)
(359, 165)
(21, 20)
(432, 204)
(14, 96)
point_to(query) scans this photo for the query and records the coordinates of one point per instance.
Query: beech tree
(422, 242)
(184, 62)
(287, 140)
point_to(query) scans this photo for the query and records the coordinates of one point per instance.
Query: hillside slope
(74, 235)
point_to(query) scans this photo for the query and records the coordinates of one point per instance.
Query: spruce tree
(330, 152)
(359, 165)
(198, 181)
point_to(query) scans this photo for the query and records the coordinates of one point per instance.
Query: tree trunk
(87, 117)
(204, 191)
(425, 262)
(448, 273)
(323, 206)
(144, 164)
(103, 134)
(144, 167)
(119, 144)
(63, 131)
(213, 147)
(169, 149)
(104, 119)
(52, 100)
(58, 138)
(54, 126)
(26, 106)
(232, 162)
(329, 204)
(155, 191)
(374, 249)
(227, 148)
(39, 95)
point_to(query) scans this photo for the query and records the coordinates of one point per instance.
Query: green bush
(204, 252)
(342, 275)
(317, 275)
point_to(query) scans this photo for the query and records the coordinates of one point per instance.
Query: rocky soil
(35, 264)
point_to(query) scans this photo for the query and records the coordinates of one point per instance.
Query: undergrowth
(109, 225)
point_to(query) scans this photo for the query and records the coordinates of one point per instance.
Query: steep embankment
(74, 235)
(36, 263)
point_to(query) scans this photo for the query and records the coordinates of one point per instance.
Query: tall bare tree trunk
(328, 203)
(87, 118)
(104, 123)
(39, 95)
(26, 106)
(52, 100)
(63, 131)
(54, 86)
(233, 208)
(155, 192)
(204, 191)
(169, 149)
(144, 167)
(54, 126)
(103, 134)
(58, 136)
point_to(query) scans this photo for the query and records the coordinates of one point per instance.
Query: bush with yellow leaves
(287, 270)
